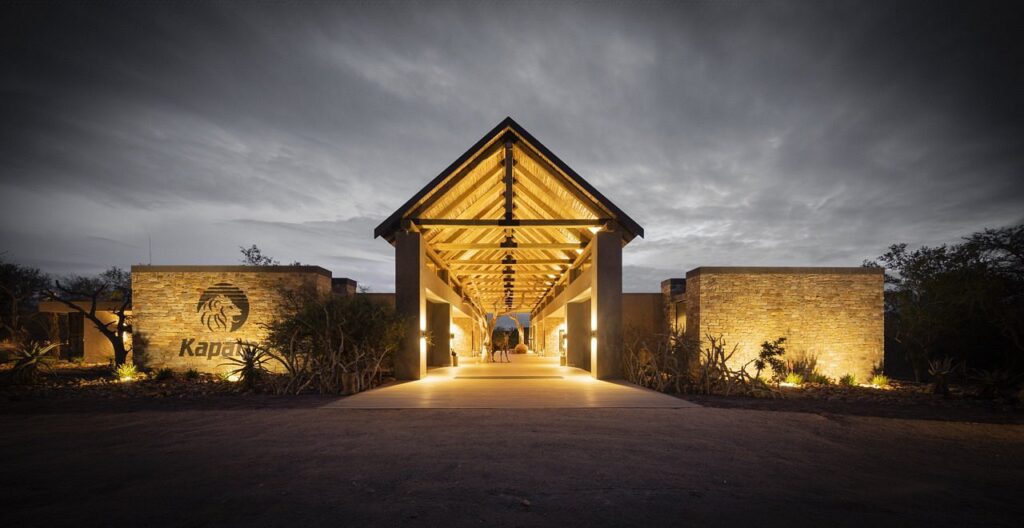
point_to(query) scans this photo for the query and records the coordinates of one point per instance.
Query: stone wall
(192, 316)
(466, 342)
(552, 327)
(643, 313)
(834, 314)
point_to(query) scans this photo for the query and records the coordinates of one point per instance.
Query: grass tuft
(126, 371)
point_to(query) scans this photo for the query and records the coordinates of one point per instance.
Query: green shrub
(770, 356)
(794, 379)
(994, 383)
(30, 361)
(126, 371)
(665, 362)
(164, 374)
(819, 378)
(805, 365)
(848, 380)
(321, 340)
(191, 374)
(880, 380)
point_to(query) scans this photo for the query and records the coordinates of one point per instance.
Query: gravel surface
(266, 461)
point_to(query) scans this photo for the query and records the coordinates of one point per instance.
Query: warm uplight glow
(791, 385)
(233, 378)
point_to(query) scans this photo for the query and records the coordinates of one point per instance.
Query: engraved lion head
(219, 313)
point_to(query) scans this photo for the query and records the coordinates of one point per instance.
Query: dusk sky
(735, 133)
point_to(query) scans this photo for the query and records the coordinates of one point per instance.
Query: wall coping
(781, 270)
(231, 269)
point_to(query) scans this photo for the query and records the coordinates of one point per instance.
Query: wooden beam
(508, 179)
(493, 223)
(502, 262)
(499, 246)
(478, 273)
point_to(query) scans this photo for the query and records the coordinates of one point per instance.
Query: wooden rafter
(487, 223)
(501, 247)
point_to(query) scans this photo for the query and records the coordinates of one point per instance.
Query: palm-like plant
(249, 365)
(32, 359)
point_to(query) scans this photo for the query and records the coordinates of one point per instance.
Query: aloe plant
(940, 369)
(31, 360)
(249, 363)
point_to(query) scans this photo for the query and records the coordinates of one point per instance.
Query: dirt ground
(266, 461)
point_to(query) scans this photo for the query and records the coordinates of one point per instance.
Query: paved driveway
(528, 382)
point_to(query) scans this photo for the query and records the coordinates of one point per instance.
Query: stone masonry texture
(833, 314)
(168, 327)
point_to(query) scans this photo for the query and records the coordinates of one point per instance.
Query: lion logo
(223, 308)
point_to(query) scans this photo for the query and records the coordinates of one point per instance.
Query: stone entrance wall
(192, 316)
(834, 314)
(465, 342)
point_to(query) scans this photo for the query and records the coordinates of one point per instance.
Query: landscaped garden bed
(900, 399)
(67, 380)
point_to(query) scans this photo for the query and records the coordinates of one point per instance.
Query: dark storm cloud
(736, 133)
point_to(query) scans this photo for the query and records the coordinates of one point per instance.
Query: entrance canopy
(508, 222)
(508, 227)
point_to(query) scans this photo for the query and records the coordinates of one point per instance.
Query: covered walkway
(527, 382)
(509, 229)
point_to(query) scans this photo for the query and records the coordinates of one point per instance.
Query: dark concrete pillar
(410, 302)
(577, 329)
(606, 320)
(439, 323)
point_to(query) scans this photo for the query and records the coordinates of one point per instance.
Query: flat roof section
(140, 268)
(747, 270)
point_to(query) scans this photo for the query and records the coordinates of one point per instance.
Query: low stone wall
(193, 316)
(834, 314)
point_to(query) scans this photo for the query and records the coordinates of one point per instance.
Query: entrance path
(528, 382)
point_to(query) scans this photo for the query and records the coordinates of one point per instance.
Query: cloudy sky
(736, 133)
